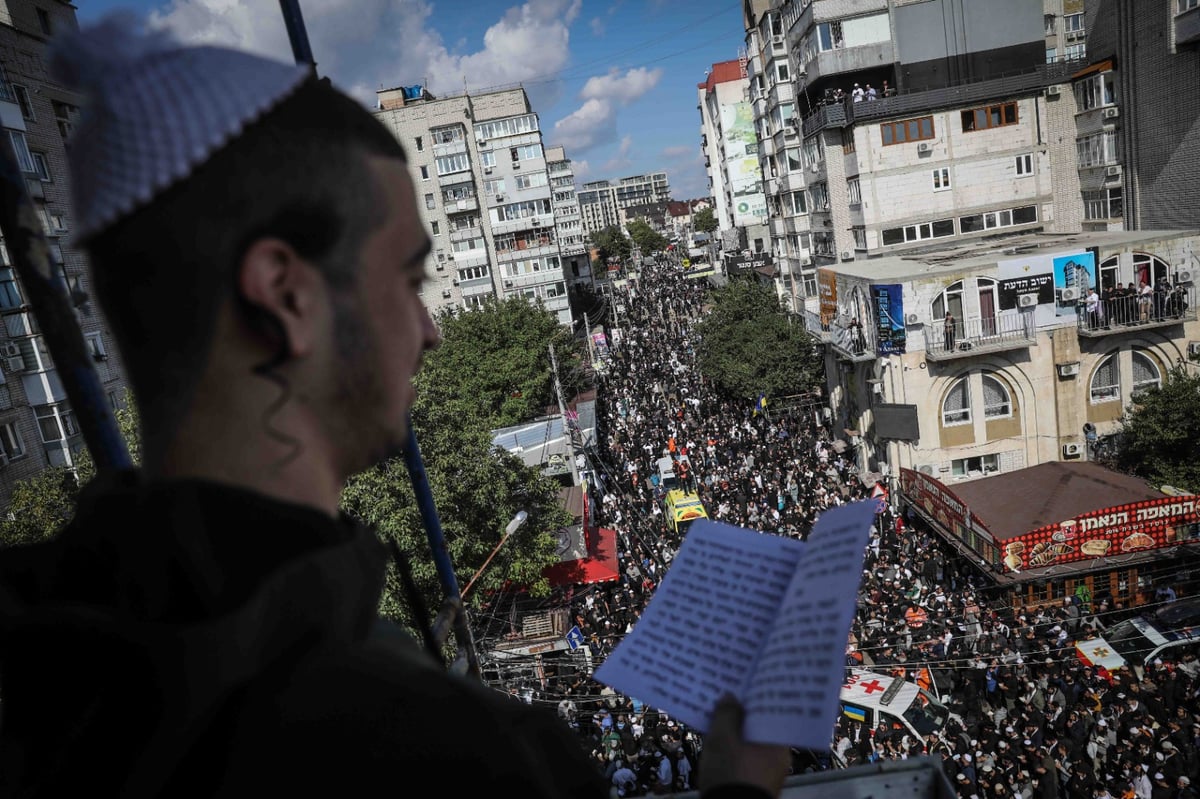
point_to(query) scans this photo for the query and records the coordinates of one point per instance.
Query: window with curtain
(1106, 381)
(1146, 373)
(956, 409)
(997, 403)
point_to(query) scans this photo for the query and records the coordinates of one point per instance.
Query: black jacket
(192, 639)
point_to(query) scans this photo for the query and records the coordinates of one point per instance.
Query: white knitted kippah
(153, 111)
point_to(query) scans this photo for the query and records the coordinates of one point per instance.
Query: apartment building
(38, 428)
(483, 186)
(1138, 126)
(568, 219)
(1066, 30)
(985, 356)
(601, 201)
(887, 126)
(730, 144)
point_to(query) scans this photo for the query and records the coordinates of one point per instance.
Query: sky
(613, 82)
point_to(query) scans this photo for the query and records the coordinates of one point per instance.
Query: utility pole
(562, 409)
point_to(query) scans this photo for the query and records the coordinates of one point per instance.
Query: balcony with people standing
(951, 338)
(1127, 309)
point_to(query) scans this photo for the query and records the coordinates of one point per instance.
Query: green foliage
(704, 221)
(41, 505)
(1160, 433)
(494, 364)
(612, 243)
(749, 344)
(645, 237)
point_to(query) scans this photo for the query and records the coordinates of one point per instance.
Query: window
(794, 161)
(974, 223)
(55, 422)
(1103, 204)
(847, 141)
(992, 116)
(473, 272)
(512, 126)
(1073, 23)
(1025, 164)
(956, 408)
(996, 401)
(435, 228)
(21, 148)
(424, 173)
(41, 165)
(919, 232)
(820, 196)
(531, 181)
(420, 144)
(797, 203)
(1051, 55)
(95, 347)
(1145, 373)
(941, 178)
(1096, 91)
(980, 464)
(10, 441)
(860, 238)
(1099, 149)
(525, 152)
(1050, 24)
(1106, 381)
(450, 164)
(10, 293)
(1186, 5)
(907, 130)
(949, 300)
(781, 71)
(430, 202)
(854, 191)
(814, 150)
(44, 21)
(23, 100)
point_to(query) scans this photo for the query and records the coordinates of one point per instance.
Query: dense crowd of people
(1027, 717)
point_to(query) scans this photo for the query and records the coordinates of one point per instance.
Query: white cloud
(364, 44)
(595, 121)
(621, 159)
(678, 151)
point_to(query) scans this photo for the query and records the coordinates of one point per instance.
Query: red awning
(599, 567)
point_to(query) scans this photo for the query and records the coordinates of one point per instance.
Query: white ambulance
(869, 697)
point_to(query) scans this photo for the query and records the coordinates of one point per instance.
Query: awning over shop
(599, 567)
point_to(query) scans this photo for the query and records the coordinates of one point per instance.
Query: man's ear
(276, 281)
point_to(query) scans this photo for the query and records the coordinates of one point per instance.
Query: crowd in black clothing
(1028, 717)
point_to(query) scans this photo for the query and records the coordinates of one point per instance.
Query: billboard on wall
(890, 335)
(827, 295)
(1108, 533)
(1073, 275)
(741, 164)
(939, 503)
(1012, 289)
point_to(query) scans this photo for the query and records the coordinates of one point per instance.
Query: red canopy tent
(600, 566)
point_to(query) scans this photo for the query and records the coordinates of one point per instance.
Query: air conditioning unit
(516, 164)
(487, 170)
(924, 147)
(440, 267)
(1072, 450)
(499, 198)
(925, 468)
(1053, 91)
(11, 350)
(535, 221)
(1112, 113)
(1194, 349)
(1069, 294)
(482, 143)
(16, 364)
(446, 293)
(454, 281)
(1027, 300)
(825, 207)
(1068, 369)
(449, 256)
(1183, 276)
(912, 319)
(508, 284)
(777, 39)
(847, 255)
(1112, 171)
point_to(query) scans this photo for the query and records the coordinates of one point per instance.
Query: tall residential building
(1138, 134)
(484, 189)
(37, 425)
(601, 201)
(907, 124)
(729, 141)
(572, 237)
(1066, 33)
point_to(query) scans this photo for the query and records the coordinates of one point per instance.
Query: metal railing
(1118, 314)
(969, 337)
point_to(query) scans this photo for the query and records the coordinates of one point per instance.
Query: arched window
(1149, 268)
(1146, 373)
(1106, 381)
(949, 300)
(997, 403)
(956, 408)
(1109, 272)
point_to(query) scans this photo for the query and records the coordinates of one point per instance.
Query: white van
(868, 696)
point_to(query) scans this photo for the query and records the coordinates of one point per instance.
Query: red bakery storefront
(1040, 532)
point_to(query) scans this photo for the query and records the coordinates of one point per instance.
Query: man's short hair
(161, 274)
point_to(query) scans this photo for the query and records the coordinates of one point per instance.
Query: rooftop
(722, 72)
(963, 256)
(1013, 503)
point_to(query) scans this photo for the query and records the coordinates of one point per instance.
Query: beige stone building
(37, 425)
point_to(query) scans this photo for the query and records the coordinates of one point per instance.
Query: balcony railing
(976, 336)
(814, 325)
(852, 342)
(1122, 314)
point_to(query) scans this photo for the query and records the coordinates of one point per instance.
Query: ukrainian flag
(761, 404)
(854, 713)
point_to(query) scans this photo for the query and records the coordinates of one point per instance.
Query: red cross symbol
(871, 687)
(1101, 652)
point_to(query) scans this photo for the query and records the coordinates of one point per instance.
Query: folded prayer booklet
(760, 616)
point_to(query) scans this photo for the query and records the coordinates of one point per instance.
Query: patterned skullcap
(153, 111)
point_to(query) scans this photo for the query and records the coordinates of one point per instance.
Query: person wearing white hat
(255, 245)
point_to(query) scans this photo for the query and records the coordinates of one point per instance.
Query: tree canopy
(749, 345)
(1160, 433)
(704, 221)
(645, 237)
(612, 243)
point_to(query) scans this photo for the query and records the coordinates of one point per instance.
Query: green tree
(612, 243)
(749, 345)
(494, 365)
(703, 221)
(1160, 433)
(645, 237)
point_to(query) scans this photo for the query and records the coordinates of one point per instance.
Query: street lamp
(516, 522)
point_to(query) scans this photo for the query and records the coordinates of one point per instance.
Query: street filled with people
(1025, 717)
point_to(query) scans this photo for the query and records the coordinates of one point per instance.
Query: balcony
(20, 323)
(979, 336)
(852, 342)
(843, 60)
(466, 233)
(812, 322)
(1187, 28)
(459, 206)
(1124, 314)
(444, 149)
